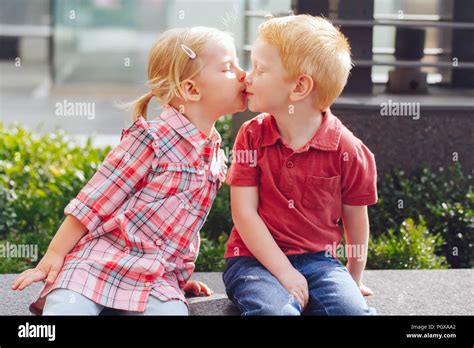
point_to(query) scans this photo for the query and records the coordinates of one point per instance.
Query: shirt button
(159, 242)
(290, 164)
(148, 284)
(206, 167)
(126, 250)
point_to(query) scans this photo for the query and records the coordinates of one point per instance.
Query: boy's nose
(248, 77)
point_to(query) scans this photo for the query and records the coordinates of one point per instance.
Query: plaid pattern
(143, 209)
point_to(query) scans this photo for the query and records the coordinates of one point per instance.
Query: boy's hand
(296, 284)
(48, 268)
(365, 290)
(197, 288)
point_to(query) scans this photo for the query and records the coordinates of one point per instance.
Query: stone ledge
(397, 292)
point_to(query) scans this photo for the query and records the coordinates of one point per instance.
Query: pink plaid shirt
(143, 210)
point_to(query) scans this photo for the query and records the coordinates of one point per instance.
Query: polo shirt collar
(326, 137)
(187, 130)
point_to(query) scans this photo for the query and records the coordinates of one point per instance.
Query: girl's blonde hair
(313, 46)
(169, 64)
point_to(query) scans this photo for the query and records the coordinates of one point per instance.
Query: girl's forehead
(219, 51)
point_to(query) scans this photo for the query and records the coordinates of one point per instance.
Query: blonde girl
(131, 235)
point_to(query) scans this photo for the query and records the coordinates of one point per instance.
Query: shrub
(39, 175)
(445, 200)
(211, 255)
(412, 247)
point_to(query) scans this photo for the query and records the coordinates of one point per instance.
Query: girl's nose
(243, 76)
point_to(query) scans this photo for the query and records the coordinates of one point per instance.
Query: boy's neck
(201, 120)
(298, 128)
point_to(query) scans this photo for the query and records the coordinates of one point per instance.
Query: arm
(356, 229)
(68, 235)
(258, 239)
(120, 172)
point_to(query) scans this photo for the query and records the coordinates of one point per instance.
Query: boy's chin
(253, 107)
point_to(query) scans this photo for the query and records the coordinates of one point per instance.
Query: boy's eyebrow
(257, 61)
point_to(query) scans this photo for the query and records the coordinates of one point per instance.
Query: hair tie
(188, 51)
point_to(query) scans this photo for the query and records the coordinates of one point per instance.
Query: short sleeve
(359, 176)
(243, 169)
(122, 169)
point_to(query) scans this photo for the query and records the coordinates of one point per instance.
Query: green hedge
(442, 201)
(38, 177)
(421, 221)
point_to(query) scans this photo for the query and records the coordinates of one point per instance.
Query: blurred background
(416, 56)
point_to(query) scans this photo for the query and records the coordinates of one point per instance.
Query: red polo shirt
(301, 193)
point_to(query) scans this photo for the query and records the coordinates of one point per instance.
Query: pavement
(396, 292)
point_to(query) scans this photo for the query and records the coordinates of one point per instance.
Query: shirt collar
(326, 137)
(187, 130)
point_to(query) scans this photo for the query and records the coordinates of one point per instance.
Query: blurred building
(416, 52)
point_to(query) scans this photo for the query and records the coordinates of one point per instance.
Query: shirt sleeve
(243, 170)
(122, 169)
(359, 176)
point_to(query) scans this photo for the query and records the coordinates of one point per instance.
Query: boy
(311, 171)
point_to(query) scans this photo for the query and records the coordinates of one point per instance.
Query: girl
(131, 235)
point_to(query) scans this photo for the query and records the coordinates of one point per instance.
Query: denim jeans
(332, 291)
(68, 302)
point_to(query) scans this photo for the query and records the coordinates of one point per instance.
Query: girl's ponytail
(140, 106)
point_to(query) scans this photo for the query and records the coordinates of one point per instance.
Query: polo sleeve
(359, 176)
(244, 170)
(122, 169)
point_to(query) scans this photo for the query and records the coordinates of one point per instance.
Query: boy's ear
(191, 91)
(302, 88)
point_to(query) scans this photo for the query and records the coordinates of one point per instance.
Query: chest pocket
(322, 193)
(182, 177)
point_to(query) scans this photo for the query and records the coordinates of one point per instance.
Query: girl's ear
(191, 91)
(302, 88)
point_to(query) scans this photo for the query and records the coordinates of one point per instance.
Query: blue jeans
(332, 291)
(68, 302)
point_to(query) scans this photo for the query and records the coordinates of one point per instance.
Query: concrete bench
(397, 292)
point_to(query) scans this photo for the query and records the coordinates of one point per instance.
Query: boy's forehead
(263, 51)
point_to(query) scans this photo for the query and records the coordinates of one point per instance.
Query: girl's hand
(48, 268)
(197, 288)
(365, 290)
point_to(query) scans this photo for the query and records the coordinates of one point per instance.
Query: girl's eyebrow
(230, 60)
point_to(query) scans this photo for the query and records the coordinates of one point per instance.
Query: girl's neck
(201, 120)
